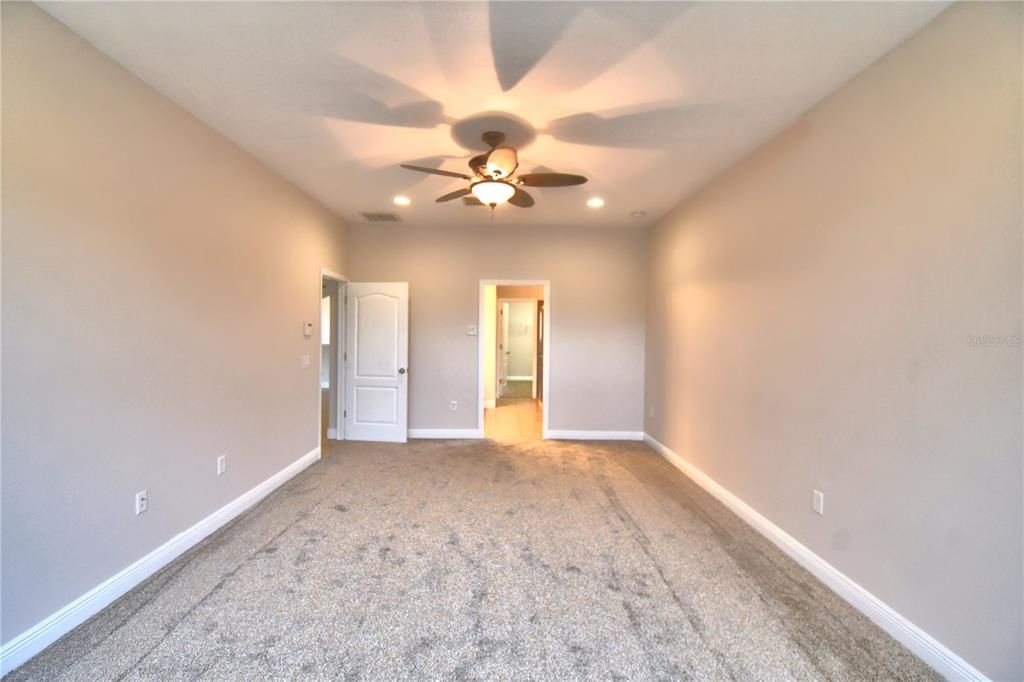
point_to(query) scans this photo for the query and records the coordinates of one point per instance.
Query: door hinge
(344, 356)
(344, 413)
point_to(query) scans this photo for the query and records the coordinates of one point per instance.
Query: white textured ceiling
(649, 100)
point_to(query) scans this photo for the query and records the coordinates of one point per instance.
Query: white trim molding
(519, 378)
(29, 643)
(490, 404)
(923, 645)
(565, 434)
(446, 434)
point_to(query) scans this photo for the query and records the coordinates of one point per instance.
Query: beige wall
(811, 320)
(596, 307)
(521, 291)
(155, 280)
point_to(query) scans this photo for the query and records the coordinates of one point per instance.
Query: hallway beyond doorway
(517, 389)
(514, 340)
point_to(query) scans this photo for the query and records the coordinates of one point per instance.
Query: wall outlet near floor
(304, 361)
(141, 502)
(222, 464)
(453, 405)
(650, 411)
(818, 502)
(471, 330)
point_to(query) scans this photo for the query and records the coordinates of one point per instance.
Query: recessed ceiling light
(401, 200)
(595, 202)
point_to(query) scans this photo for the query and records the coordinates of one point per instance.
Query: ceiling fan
(493, 181)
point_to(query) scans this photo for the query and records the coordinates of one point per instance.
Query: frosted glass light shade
(502, 162)
(493, 193)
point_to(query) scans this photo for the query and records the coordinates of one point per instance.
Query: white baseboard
(923, 645)
(46, 632)
(445, 433)
(332, 434)
(564, 434)
(526, 378)
(490, 404)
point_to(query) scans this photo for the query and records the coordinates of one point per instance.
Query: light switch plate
(307, 329)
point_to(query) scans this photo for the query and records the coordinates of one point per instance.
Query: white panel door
(377, 346)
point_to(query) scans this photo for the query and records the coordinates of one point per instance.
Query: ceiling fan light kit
(493, 192)
(493, 181)
(502, 162)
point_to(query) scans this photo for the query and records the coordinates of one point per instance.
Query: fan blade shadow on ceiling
(522, 33)
(656, 128)
(353, 92)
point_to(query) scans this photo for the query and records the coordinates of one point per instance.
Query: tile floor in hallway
(515, 419)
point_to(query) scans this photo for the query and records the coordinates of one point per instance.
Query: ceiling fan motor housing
(493, 138)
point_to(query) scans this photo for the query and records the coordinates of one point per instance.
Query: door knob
(401, 370)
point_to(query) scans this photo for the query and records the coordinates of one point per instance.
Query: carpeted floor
(473, 559)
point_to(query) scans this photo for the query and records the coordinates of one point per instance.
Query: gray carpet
(471, 559)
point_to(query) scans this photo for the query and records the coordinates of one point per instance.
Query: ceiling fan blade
(454, 195)
(551, 179)
(436, 171)
(521, 199)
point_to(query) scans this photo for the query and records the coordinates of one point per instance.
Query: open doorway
(331, 357)
(513, 359)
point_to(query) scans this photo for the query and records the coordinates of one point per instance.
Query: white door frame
(338, 384)
(546, 283)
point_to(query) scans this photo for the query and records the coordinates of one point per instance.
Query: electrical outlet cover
(141, 502)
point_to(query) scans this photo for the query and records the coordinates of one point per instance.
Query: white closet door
(377, 344)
